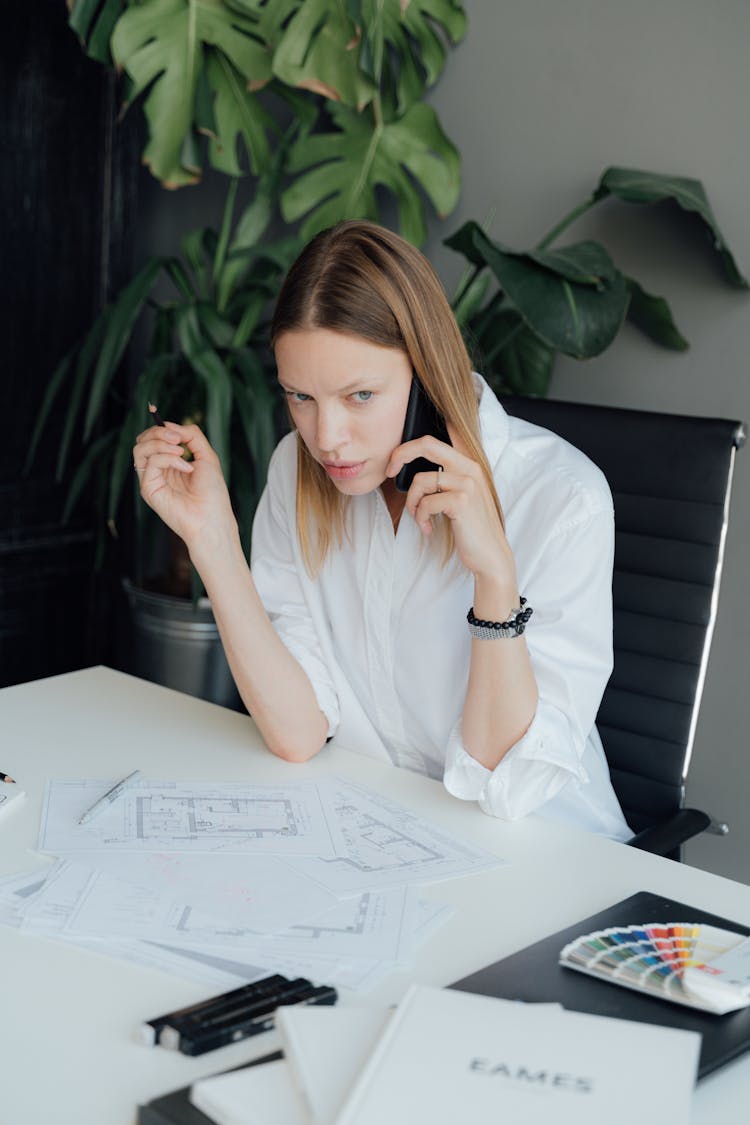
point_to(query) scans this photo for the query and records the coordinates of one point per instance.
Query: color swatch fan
(689, 963)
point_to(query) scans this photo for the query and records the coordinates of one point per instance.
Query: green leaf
(588, 263)
(251, 226)
(469, 299)
(256, 408)
(403, 42)
(56, 383)
(273, 17)
(175, 269)
(654, 317)
(220, 332)
(526, 364)
(120, 321)
(222, 242)
(84, 471)
(87, 354)
(147, 389)
(217, 385)
(342, 169)
(494, 329)
(318, 51)
(634, 186)
(238, 115)
(253, 307)
(199, 248)
(162, 46)
(93, 22)
(568, 316)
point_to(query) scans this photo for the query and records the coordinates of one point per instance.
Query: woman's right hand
(190, 496)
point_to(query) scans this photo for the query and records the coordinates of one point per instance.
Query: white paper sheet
(173, 898)
(64, 881)
(188, 817)
(386, 845)
(190, 879)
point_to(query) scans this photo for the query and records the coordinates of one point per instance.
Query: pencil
(6, 777)
(110, 796)
(159, 421)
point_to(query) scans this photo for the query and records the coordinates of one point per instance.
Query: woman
(353, 622)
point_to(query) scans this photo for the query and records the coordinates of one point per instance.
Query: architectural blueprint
(189, 817)
(386, 845)
(225, 882)
(202, 898)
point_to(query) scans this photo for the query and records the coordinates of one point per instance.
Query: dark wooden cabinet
(68, 187)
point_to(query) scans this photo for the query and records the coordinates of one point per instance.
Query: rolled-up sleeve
(276, 575)
(569, 637)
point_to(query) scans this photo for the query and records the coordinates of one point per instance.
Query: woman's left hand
(461, 493)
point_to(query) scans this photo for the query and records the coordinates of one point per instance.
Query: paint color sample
(651, 958)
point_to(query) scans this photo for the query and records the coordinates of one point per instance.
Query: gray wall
(540, 97)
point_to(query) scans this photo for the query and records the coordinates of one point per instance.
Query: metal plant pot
(171, 642)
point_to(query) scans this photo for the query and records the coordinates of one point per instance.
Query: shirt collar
(494, 423)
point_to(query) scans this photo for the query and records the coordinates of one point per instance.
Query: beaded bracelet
(494, 630)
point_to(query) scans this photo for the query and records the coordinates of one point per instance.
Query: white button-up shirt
(381, 631)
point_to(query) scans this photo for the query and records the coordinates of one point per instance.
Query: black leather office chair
(670, 478)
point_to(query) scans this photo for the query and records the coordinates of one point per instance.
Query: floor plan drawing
(182, 817)
(386, 845)
(231, 817)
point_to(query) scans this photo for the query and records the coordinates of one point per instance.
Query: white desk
(67, 1017)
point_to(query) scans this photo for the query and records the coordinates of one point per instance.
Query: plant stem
(466, 280)
(566, 221)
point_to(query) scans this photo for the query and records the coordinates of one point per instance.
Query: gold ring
(439, 471)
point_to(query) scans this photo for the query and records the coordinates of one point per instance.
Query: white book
(454, 1058)
(326, 1049)
(323, 1055)
(256, 1095)
(11, 796)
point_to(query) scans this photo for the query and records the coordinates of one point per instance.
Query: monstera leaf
(634, 186)
(574, 299)
(341, 170)
(654, 318)
(236, 116)
(319, 51)
(402, 42)
(93, 22)
(164, 45)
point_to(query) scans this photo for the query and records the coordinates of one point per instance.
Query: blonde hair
(362, 280)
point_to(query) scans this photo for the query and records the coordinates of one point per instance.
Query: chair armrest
(664, 838)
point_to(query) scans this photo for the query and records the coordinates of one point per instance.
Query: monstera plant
(351, 75)
(520, 308)
(318, 106)
(315, 102)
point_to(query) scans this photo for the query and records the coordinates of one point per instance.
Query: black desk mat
(534, 974)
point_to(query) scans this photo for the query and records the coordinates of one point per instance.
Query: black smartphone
(421, 418)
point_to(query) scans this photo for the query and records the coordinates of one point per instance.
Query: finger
(159, 463)
(424, 484)
(158, 432)
(145, 450)
(429, 496)
(195, 442)
(433, 449)
(410, 450)
(152, 441)
(431, 504)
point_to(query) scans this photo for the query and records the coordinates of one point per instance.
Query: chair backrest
(670, 478)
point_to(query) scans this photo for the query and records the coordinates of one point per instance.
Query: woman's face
(347, 398)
